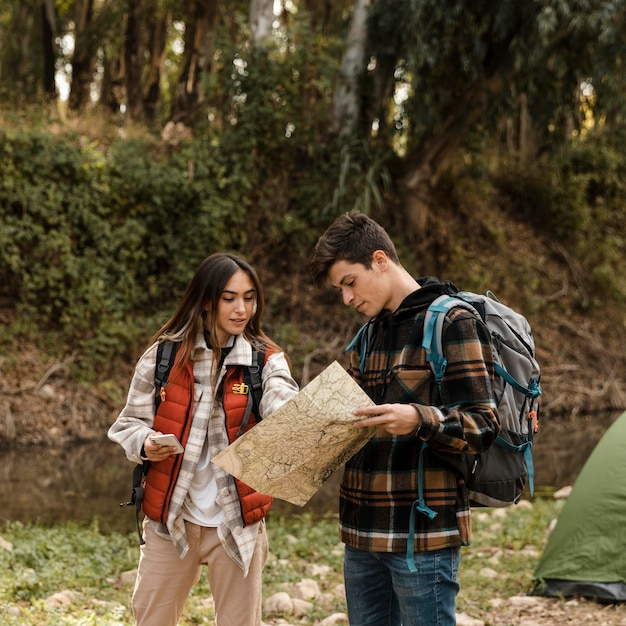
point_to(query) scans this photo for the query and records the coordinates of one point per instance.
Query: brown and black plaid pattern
(380, 483)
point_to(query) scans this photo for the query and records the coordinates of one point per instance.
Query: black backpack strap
(166, 353)
(136, 497)
(252, 376)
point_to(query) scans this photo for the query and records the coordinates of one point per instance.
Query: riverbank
(52, 483)
(76, 574)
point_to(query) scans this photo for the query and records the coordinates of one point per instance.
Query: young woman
(197, 514)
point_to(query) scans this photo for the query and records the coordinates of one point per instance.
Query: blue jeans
(381, 591)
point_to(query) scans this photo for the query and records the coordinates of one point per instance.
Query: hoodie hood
(430, 289)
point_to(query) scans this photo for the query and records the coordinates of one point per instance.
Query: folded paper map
(291, 453)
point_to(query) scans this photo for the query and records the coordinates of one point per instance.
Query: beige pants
(164, 580)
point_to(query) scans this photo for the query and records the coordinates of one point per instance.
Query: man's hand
(396, 419)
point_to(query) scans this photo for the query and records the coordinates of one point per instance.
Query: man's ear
(380, 259)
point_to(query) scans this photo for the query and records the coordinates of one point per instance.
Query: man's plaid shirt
(380, 483)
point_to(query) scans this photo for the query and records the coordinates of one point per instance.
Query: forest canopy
(138, 137)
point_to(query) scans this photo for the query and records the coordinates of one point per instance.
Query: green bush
(97, 242)
(92, 241)
(576, 199)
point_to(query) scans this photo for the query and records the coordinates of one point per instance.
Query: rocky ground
(515, 611)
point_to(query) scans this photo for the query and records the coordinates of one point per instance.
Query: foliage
(45, 561)
(92, 239)
(98, 241)
(508, 541)
(576, 198)
(456, 64)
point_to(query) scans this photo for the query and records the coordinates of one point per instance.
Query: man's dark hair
(352, 237)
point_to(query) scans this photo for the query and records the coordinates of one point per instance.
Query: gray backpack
(498, 476)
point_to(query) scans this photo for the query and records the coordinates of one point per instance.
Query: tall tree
(346, 99)
(261, 18)
(433, 72)
(24, 51)
(134, 62)
(159, 22)
(49, 48)
(200, 18)
(83, 59)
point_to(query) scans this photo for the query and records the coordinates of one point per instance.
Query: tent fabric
(586, 552)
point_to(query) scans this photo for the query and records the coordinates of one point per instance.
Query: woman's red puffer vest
(174, 415)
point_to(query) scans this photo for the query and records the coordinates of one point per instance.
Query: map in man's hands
(291, 453)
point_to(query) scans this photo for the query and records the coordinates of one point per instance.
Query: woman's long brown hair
(198, 308)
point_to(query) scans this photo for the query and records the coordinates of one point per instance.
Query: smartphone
(167, 440)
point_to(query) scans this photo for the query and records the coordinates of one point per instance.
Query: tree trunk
(133, 62)
(186, 100)
(112, 88)
(82, 60)
(158, 39)
(49, 55)
(346, 97)
(261, 18)
(431, 159)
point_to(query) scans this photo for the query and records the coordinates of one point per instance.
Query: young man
(404, 510)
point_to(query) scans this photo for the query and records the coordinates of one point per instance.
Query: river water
(88, 481)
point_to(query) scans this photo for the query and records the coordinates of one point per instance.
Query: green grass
(508, 542)
(89, 563)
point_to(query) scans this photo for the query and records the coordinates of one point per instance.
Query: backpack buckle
(241, 389)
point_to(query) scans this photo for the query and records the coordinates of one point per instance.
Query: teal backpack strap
(533, 391)
(433, 330)
(361, 338)
(525, 448)
(421, 507)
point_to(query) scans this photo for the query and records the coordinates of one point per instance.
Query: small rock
(530, 550)
(488, 572)
(47, 392)
(563, 492)
(128, 577)
(496, 557)
(300, 607)
(278, 603)
(6, 545)
(525, 601)
(525, 504)
(306, 589)
(339, 591)
(326, 600)
(462, 619)
(313, 569)
(63, 598)
(335, 619)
